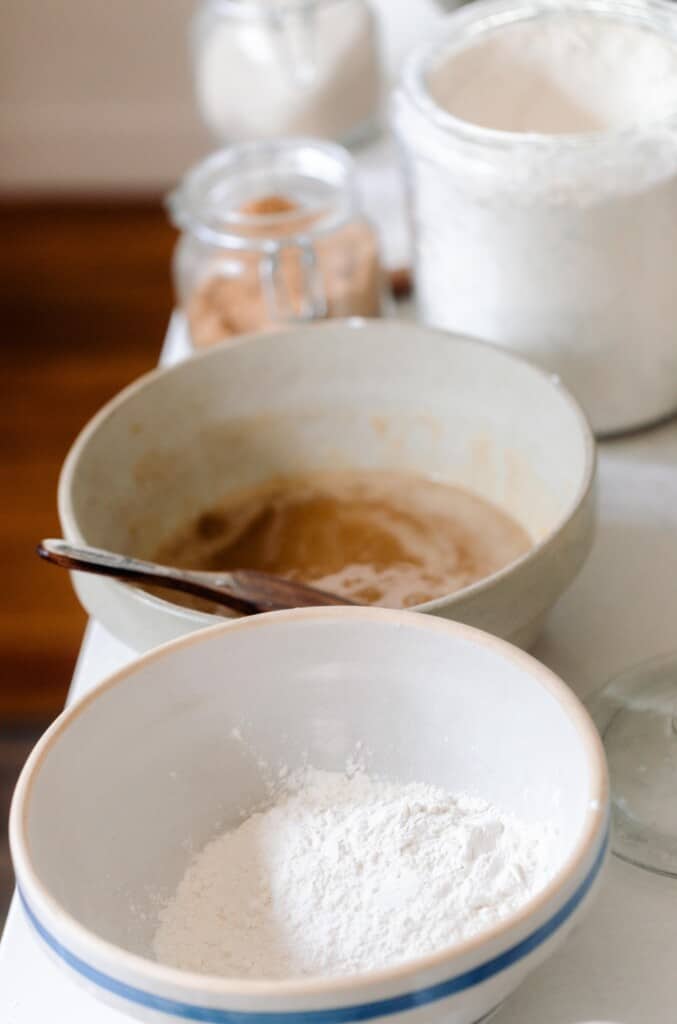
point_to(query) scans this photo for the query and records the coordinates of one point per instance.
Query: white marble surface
(619, 966)
(382, 192)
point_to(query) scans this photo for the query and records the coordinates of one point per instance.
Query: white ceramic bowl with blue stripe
(145, 769)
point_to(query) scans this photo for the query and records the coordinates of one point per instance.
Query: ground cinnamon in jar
(271, 233)
(233, 299)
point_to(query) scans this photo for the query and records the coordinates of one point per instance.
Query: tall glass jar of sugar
(269, 68)
(540, 144)
(272, 233)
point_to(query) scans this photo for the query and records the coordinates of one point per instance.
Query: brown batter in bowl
(389, 539)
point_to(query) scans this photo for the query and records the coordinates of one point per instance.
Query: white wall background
(95, 95)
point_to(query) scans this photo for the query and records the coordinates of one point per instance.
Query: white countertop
(620, 964)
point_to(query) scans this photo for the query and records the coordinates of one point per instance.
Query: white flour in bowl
(344, 874)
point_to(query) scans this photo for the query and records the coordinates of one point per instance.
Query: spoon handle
(244, 590)
(108, 563)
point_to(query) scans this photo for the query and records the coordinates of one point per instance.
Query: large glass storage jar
(269, 68)
(540, 144)
(272, 233)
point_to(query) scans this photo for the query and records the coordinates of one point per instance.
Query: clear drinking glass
(287, 67)
(636, 714)
(272, 233)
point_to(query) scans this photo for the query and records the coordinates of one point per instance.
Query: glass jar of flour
(272, 233)
(540, 146)
(269, 68)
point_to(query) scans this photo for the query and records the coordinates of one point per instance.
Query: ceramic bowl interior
(159, 760)
(369, 395)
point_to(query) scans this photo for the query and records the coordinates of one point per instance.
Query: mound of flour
(348, 873)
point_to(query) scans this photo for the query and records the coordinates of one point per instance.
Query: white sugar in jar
(270, 68)
(540, 148)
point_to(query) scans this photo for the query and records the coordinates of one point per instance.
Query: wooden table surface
(86, 296)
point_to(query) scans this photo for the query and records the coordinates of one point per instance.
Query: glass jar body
(298, 68)
(557, 246)
(272, 234)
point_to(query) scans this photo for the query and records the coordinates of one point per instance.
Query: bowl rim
(67, 475)
(591, 836)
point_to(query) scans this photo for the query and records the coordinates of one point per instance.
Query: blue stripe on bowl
(342, 1014)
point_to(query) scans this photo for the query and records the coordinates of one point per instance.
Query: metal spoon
(245, 590)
